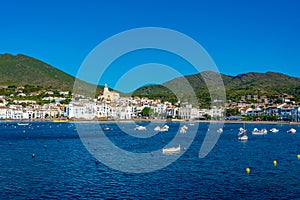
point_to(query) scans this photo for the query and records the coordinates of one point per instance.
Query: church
(109, 95)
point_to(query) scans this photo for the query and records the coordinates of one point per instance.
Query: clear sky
(240, 36)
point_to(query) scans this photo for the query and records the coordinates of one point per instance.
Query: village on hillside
(20, 104)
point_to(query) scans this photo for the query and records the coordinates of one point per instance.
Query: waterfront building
(3, 112)
(188, 112)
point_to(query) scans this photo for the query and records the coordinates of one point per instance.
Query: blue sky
(240, 36)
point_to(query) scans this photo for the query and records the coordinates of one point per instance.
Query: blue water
(62, 168)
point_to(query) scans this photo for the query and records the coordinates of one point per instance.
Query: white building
(81, 111)
(103, 110)
(216, 112)
(109, 95)
(125, 112)
(3, 112)
(188, 112)
(70, 111)
(159, 108)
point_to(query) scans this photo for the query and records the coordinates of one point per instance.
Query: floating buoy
(274, 162)
(298, 156)
(33, 155)
(248, 170)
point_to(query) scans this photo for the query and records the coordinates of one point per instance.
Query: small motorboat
(157, 128)
(259, 132)
(292, 130)
(220, 130)
(23, 124)
(171, 150)
(183, 129)
(140, 128)
(163, 129)
(274, 130)
(243, 138)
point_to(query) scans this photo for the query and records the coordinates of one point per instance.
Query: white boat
(157, 128)
(23, 124)
(163, 129)
(292, 130)
(242, 136)
(171, 150)
(183, 129)
(140, 128)
(274, 130)
(220, 130)
(259, 132)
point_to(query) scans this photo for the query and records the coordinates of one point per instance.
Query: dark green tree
(232, 112)
(147, 111)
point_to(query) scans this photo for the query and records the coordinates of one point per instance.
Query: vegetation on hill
(156, 92)
(23, 70)
(267, 84)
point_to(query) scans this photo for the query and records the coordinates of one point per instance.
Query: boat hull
(171, 150)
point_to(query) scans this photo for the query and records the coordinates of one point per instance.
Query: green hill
(24, 70)
(268, 84)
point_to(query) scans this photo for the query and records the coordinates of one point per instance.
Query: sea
(47, 160)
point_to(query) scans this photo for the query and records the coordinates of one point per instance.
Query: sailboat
(242, 136)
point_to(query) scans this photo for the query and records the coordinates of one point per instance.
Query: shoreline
(151, 120)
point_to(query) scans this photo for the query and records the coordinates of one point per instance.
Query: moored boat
(163, 129)
(242, 136)
(259, 132)
(23, 124)
(183, 129)
(171, 150)
(274, 130)
(140, 128)
(157, 128)
(292, 130)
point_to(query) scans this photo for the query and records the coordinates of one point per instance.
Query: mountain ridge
(24, 70)
(251, 83)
